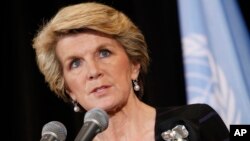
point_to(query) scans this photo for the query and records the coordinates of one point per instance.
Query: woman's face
(97, 70)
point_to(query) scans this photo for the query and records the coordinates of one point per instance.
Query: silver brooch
(178, 133)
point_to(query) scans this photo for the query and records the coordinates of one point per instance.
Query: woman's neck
(135, 121)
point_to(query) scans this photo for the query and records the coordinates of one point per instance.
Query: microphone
(95, 121)
(54, 131)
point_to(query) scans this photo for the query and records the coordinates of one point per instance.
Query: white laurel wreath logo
(206, 82)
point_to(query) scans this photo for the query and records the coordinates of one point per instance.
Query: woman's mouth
(100, 90)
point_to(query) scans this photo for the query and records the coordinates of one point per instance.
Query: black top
(201, 121)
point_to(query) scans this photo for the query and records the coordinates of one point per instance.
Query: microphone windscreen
(55, 128)
(98, 116)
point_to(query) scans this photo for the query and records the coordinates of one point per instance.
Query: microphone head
(56, 129)
(98, 116)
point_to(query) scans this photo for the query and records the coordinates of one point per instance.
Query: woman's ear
(135, 70)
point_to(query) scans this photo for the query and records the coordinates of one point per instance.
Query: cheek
(74, 83)
(122, 67)
(122, 76)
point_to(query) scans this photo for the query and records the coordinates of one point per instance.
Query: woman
(93, 55)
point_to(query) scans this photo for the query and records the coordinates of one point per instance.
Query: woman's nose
(94, 71)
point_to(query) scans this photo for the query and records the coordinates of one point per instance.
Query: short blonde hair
(93, 16)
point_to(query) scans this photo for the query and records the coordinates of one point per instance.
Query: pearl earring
(136, 86)
(76, 107)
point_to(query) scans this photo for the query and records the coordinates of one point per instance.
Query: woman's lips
(100, 90)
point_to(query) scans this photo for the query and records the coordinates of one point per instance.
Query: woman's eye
(75, 63)
(104, 53)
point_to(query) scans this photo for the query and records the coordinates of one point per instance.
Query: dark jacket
(201, 121)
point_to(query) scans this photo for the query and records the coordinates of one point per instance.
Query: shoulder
(201, 121)
(194, 113)
(191, 111)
